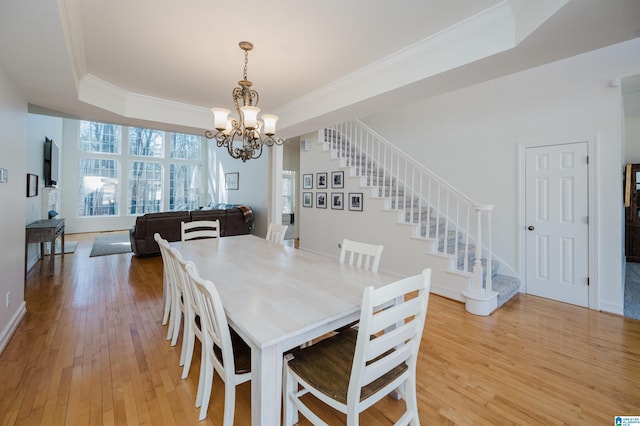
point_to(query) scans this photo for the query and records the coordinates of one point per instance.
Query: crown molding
(107, 96)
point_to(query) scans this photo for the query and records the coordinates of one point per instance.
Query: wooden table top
(272, 292)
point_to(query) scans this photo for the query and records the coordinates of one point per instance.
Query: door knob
(531, 228)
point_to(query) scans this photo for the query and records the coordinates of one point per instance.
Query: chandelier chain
(246, 62)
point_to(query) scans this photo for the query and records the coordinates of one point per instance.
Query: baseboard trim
(11, 327)
(611, 307)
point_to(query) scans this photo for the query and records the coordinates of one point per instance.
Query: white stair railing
(441, 213)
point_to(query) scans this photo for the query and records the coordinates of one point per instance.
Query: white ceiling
(163, 63)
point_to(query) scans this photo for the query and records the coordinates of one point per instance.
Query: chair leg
(201, 379)
(187, 348)
(290, 385)
(411, 400)
(173, 312)
(176, 319)
(229, 401)
(167, 302)
(205, 397)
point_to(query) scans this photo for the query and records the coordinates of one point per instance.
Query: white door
(556, 211)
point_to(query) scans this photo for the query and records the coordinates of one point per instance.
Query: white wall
(471, 138)
(632, 128)
(13, 157)
(253, 189)
(39, 127)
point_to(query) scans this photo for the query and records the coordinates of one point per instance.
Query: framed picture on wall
(321, 200)
(337, 200)
(355, 201)
(307, 199)
(337, 179)
(232, 180)
(32, 185)
(321, 180)
(307, 181)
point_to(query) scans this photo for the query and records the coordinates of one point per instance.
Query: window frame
(123, 157)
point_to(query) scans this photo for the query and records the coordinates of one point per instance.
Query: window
(145, 142)
(99, 137)
(145, 187)
(186, 147)
(184, 187)
(98, 187)
(161, 170)
(288, 191)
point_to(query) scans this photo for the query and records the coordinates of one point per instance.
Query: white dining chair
(276, 232)
(168, 283)
(223, 351)
(191, 328)
(354, 369)
(200, 229)
(363, 255)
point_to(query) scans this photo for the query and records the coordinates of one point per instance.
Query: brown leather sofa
(234, 220)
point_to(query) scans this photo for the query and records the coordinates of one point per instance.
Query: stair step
(506, 287)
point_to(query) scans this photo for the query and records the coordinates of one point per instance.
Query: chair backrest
(362, 255)
(181, 281)
(213, 320)
(200, 229)
(164, 248)
(276, 232)
(189, 295)
(401, 323)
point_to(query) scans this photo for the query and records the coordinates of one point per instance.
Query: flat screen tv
(50, 163)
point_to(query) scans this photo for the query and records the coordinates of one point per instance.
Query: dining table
(278, 298)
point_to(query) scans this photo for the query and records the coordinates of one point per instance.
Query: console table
(42, 231)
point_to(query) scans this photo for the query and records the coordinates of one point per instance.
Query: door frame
(593, 144)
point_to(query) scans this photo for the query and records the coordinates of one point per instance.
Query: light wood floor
(92, 351)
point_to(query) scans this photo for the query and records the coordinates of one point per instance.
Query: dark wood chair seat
(326, 365)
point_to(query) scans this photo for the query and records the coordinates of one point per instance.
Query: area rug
(632, 291)
(112, 243)
(69, 247)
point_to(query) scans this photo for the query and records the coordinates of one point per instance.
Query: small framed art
(32, 185)
(232, 180)
(321, 180)
(355, 201)
(337, 179)
(321, 200)
(337, 200)
(307, 181)
(307, 199)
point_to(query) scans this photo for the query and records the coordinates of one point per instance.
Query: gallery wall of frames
(327, 192)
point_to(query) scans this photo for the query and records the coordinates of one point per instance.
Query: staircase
(456, 231)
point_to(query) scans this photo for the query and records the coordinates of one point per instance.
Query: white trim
(274, 212)
(12, 325)
(593, 168)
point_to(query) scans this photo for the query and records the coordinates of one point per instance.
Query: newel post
(480, 299)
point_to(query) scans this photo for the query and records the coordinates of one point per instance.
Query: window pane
(186, 147)
(98, 187)
(288, 191)
(99, 137)
(145, 187)
(185, 186)
(145, 142)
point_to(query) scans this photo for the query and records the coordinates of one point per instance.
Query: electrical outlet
(8, 301)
